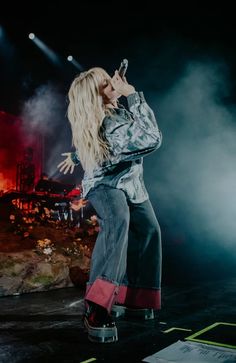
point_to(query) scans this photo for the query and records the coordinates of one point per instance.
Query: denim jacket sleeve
(134, 138)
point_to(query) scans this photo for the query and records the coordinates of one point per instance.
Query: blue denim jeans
(126, 259)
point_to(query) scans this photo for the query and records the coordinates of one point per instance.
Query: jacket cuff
(75, 158)
(133, 99)
(141, 96)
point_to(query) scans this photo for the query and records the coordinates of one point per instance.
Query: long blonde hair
(86, 112)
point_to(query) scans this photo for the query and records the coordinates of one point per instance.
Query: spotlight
(45, 49)
(70, 58)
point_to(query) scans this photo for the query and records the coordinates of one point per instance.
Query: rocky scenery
(39, 252)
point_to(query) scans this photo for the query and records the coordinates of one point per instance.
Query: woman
(110, 142)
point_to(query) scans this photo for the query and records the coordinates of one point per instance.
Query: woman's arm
(133, 139)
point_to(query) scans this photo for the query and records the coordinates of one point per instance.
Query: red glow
(13, 141)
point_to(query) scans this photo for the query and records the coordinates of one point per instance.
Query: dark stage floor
(46, 327)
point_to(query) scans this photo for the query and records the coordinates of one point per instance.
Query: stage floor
(47, 327)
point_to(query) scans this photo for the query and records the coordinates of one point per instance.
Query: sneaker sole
(122, 311)
(101, 335)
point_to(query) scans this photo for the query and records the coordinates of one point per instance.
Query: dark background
(184, 60)
(104, 32)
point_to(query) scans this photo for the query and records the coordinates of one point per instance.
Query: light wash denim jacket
(131, 134)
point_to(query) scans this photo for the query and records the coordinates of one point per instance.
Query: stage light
(53, 57)
(74, 62)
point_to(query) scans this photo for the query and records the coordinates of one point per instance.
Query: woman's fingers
(116, 83)
(67, 164)
(125, 80)
(69, 168)
(118, 77)
(62, 163)
(62, 168)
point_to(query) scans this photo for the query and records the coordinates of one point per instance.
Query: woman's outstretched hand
(67, 164)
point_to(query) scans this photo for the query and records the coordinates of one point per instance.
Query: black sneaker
(119, 311)
(100, 326)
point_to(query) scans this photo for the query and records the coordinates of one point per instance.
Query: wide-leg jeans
(127, 257)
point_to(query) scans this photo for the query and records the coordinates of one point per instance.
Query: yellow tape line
(195, 335)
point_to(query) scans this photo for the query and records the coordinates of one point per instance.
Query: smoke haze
(193, 183)
(45, 112)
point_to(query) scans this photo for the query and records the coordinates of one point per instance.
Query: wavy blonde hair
(86, 112)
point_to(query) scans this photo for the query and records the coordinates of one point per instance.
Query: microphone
(123, 68)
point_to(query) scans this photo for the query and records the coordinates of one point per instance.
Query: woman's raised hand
(121, 85)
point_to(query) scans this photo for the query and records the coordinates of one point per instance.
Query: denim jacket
(131, 135)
